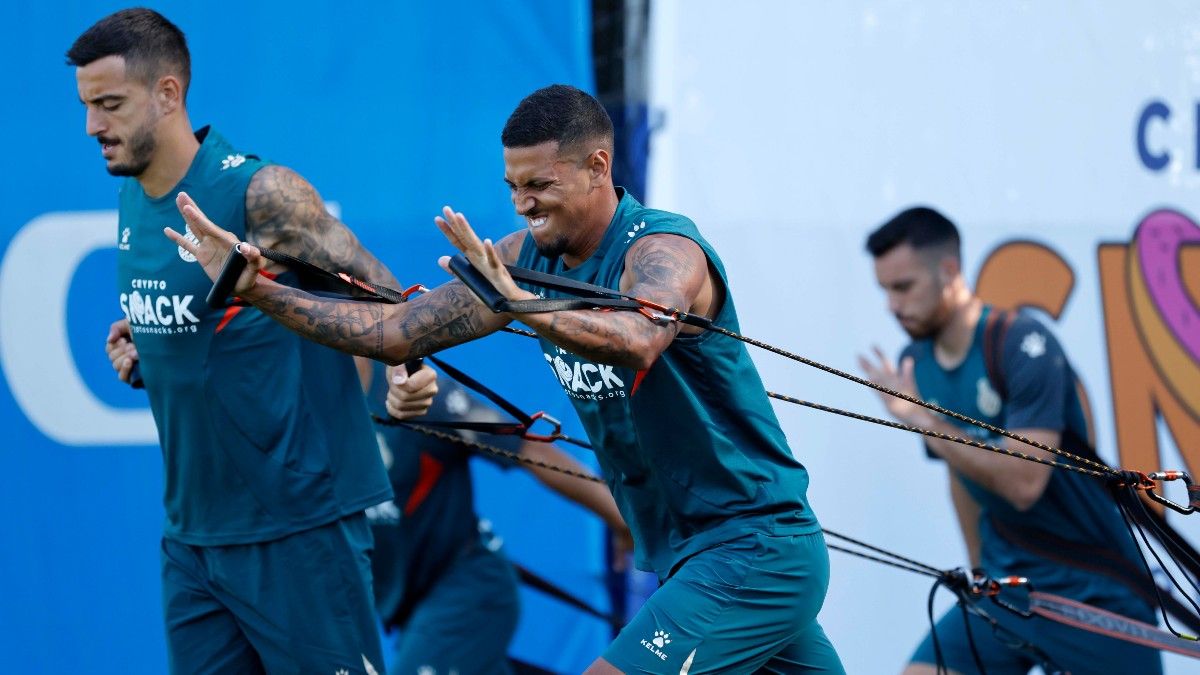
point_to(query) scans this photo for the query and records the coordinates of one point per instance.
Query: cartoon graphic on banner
(1150, 290)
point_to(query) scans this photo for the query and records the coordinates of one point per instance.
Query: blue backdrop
(390, 111)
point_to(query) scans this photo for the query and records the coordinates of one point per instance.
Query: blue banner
(391, 110)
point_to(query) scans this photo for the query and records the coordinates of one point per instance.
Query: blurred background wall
(787, 130)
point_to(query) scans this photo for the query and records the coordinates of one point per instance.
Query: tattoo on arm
(667, 269)
(284, 212)
(446, 316)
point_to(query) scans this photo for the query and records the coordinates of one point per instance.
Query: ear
(949, 268)
(168, 93)
(599, 165)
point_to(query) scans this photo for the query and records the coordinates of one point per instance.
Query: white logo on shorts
(655, 645)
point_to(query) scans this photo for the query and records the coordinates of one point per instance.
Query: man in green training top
(682, 427)
(269, 457)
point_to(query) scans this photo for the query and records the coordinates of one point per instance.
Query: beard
(141, 146)
(920, 331)
(553, 248)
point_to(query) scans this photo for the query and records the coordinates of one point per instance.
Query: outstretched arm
(1018, 481)
(667, 269)
(447, 316)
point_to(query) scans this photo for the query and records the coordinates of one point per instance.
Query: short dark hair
(150, 44)
(920, 227)
(558, 113)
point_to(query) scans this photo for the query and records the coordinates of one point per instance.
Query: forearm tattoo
(446, 316)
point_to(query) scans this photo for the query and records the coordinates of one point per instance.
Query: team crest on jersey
(183, 252)
(986, 399)
(123, 242)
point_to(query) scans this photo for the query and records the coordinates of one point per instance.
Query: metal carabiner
(995, 585)
(1193, 491)
(543, 438)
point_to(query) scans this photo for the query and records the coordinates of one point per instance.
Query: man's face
(121, 115)
(551, 191)
(917, 289)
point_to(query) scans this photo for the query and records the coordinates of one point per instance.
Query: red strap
(430, 471)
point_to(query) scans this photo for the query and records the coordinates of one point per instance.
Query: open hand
(211, 245)
(481, 254)
(884, 373)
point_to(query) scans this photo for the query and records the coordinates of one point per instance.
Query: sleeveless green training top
(691, 447)
(263, 433)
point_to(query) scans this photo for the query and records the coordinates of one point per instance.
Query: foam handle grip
(479, 285)
(135, 377)
(227, 279)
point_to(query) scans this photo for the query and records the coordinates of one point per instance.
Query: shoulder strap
(994, 333)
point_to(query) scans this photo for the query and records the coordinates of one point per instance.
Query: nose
(95, 122)
(894, 303)
(523, 202)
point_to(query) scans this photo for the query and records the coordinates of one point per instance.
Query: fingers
(199, 223)
(255, 262)
(118, 330)
(908, 377)
(397, 374)
(885, 363)
(411, 395)
(125, 367)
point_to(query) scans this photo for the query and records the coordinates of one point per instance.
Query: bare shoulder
(666, 258)
(509, 247)
(279, 203)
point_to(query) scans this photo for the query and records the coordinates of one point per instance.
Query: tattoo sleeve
(446, 316)
(284, 212)
(667, 269)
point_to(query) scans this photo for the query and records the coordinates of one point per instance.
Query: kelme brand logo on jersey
(123, 242)
(151, 310)
(233, 162)
(655, 644)
(1034, 345)
(633, 231)
(584, 379)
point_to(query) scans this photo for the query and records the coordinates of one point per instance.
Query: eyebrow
(535, 179)
(104, 99)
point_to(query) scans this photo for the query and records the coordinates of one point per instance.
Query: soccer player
(682, 426)
(269, 456)
(440, 578)
(1017, 517)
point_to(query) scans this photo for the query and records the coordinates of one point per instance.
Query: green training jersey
(690, 447)
(1073, 508)
(263, 433)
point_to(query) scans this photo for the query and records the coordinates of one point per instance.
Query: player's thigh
(203, 636)
(810, 651)
(727, 609)
(465, 622)
(305, 601)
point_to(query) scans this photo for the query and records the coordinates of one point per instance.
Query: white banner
(1061, 138)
